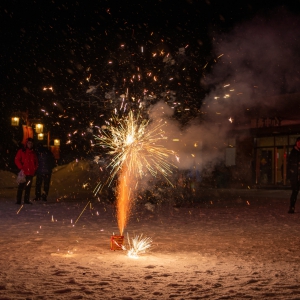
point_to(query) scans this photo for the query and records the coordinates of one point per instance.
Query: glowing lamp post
(27, 125)
(40, 136)
(39, 128)
(56, 142)
(55, 148)
(27, 129)
(15, 121)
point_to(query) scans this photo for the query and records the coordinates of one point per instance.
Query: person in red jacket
(26, 160)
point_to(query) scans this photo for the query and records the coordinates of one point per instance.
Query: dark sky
(42, 40)
(60, 43)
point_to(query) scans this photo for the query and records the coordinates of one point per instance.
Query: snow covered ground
(233, 244)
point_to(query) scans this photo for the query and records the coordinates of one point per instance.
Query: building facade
(258, 149)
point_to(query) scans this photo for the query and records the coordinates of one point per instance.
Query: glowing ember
(138, 245)
(134, 144)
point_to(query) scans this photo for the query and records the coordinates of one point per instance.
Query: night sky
(73, 46)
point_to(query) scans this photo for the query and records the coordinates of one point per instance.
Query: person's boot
(44, 197)
(292, 207)
(27, 201)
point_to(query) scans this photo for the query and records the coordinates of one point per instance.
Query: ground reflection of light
(132, 255)
(67, 254)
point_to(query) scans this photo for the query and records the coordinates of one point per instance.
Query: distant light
(40, 136)
(56, 142)
(39, 128)
(15, 121)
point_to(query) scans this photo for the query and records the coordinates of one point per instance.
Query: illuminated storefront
(271, 155)
(263, 141)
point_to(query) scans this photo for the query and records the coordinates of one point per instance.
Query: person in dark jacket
(46, 163)
(294, 174)
(27, 162)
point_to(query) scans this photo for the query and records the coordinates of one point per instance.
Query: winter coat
(293, 165)
(46, 161)
(27, 161)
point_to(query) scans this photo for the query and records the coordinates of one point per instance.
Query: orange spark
(123, 199)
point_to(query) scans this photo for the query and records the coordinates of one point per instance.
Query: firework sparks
(123, 203)
(138, 245)
(133, 144)
(20, 209)
(82, 212)
(135, 149)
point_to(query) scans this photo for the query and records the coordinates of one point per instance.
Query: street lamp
(40, 136)
(56, 142)
(39, 128)
(15, 121)
(27, 127)
(55, 149)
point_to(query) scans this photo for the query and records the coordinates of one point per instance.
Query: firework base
(116, 242)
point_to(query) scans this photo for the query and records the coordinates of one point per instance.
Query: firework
(132, 143)
(135, 149)
(123, 200)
